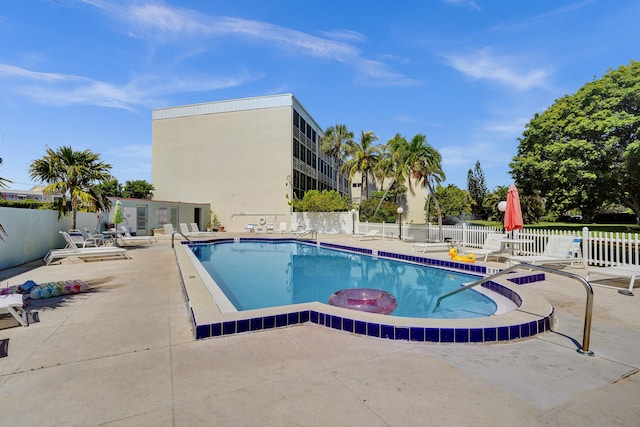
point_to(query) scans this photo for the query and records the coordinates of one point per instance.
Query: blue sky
(468, 74)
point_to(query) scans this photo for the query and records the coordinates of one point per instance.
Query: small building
(143, 216)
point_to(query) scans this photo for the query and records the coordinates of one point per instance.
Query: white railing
(598, 247)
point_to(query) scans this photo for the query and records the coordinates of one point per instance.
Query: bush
(386, 213)
(325, 201)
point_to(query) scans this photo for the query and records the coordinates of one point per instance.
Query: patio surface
(125, 354)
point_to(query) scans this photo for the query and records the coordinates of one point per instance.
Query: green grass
(613, 228)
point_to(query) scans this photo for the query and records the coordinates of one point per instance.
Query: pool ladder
(589, 304)
(312, 233)
(173, 235)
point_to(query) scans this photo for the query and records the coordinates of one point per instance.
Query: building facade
(247, 157)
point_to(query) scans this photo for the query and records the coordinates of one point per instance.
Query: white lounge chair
(423, 247)
(371, 235)
(184, 230)
(250, 228)
(125, 238)
(283, 228)
(196, 229)
(268, 228)
(97, 252)
(78, 240)
(492, 246)
(11, 303)
(627, 271)
(558, 250)
(99, 238)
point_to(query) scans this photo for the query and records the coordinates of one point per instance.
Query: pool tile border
(353, 322)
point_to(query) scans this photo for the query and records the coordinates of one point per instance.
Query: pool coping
(533, 314)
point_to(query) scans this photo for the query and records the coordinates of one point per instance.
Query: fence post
(586, 245)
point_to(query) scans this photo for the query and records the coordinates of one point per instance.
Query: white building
(247, 157)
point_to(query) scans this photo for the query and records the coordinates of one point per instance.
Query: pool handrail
(589, 303)
(177, 232)
(301, 234)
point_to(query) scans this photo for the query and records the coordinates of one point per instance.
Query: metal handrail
(314, 234)
(174, 234)
(589, 304)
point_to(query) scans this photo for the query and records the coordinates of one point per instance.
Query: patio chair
(371, 235)
(492, 246)
(13, 304)
(184, 230)
(100, 238)
(283, 228)
(250, 228)
(82, 253)
(196, 229)
(268, 228)
(423, 247)
(78, 240)
(558, 250)
(125, 238)
(628, 271)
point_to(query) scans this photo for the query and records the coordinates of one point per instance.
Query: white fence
(31, 233)
(598, 247)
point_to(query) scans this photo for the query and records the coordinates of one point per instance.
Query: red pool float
(365, 299)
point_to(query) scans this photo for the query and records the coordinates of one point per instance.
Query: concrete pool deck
(125, 354)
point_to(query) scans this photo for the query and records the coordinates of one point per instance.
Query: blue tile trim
(404, 333)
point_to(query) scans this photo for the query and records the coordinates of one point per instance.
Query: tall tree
(393, 165)
(334, 143)
(582, 151)
(138, 189)
(73, 175)
(425, 164)
(363, 158)
(477, 188)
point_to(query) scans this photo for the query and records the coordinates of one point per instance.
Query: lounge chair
(629, 271)
(371, 235)
(558, 250)
(78, 240)
(492, 246)
(74, 251)
(184, 230)
(268, 228)
(11, 303)
(423, 247)
(250, 228)
(125, 238)
(283, 228)
(196, 229)
(101, 239)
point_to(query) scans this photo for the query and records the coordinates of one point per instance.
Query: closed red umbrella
(513, 212)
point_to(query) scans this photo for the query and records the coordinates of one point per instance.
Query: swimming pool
(213, 315)
(260, 274)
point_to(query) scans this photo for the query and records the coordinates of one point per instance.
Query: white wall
(31, 233)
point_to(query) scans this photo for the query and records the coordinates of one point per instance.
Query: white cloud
(65, 89)
(464, 3)
(484, 65)
(168, 23)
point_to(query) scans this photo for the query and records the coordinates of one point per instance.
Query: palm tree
(425, 164)
(73, 175)
(334, 143)
(363, 159)
(393, 165)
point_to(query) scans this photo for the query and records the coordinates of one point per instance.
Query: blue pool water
(267, 274)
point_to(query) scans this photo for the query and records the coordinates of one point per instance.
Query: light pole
(400, 210)
(353, 221)
(502, 207)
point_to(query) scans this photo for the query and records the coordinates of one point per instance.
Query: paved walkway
(124, 354)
